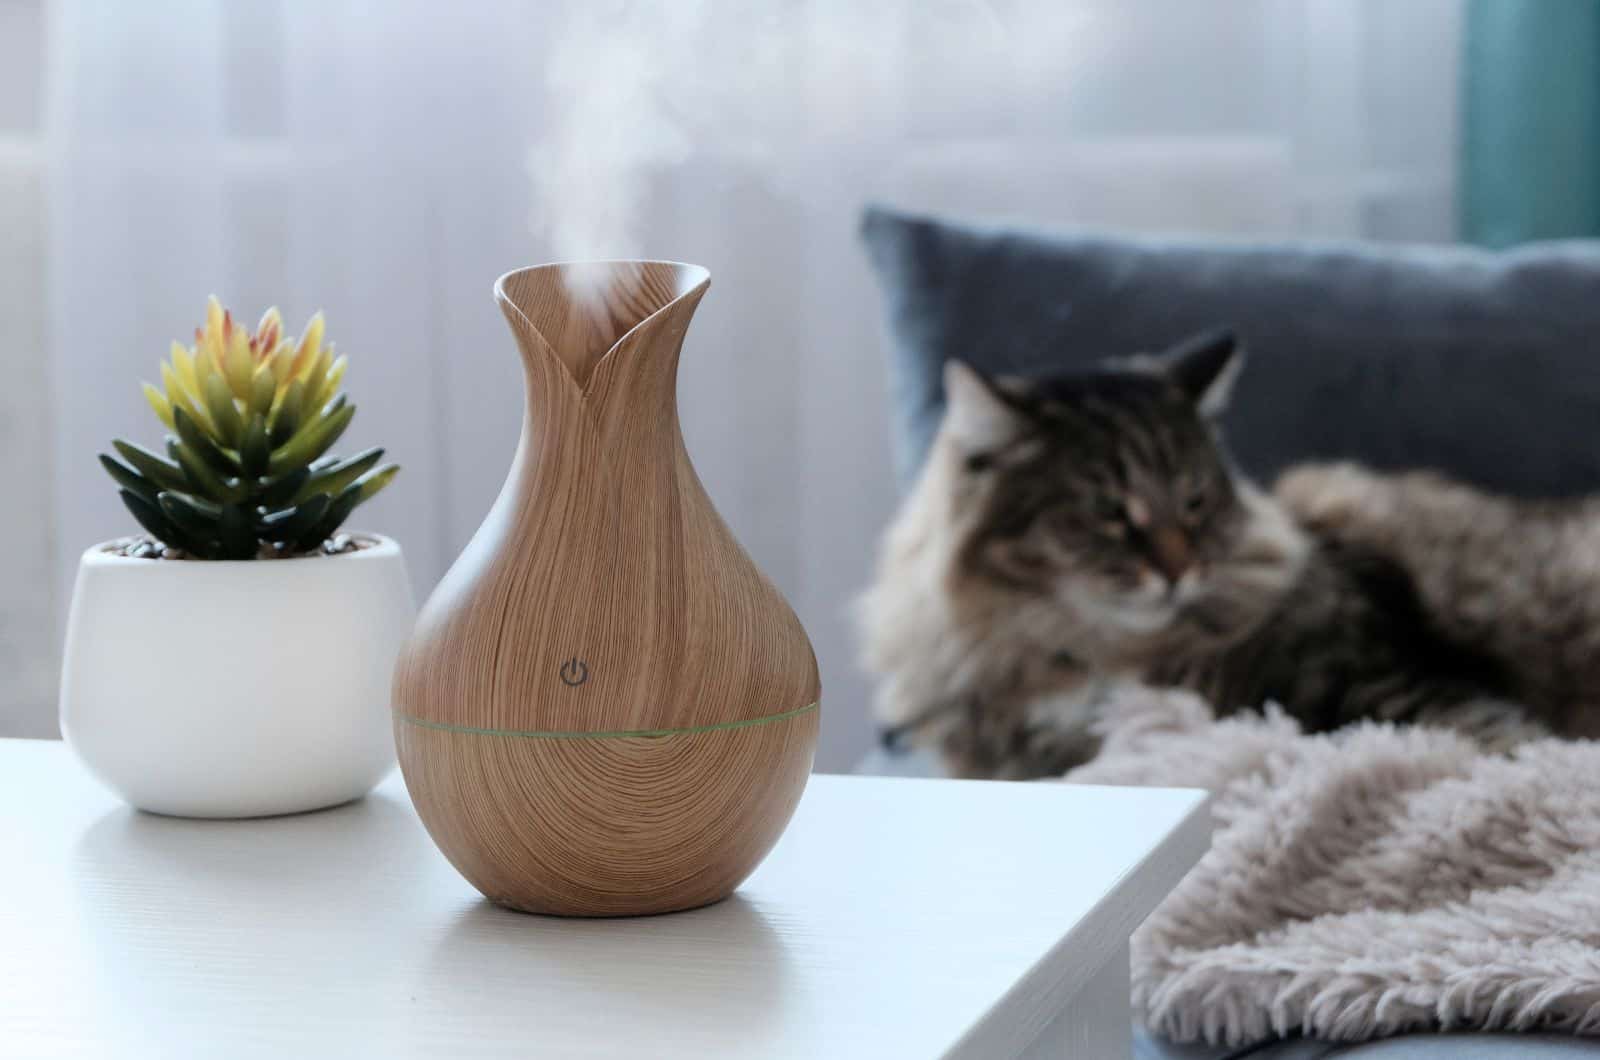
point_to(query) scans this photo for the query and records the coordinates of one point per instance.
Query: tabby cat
(1071, 533)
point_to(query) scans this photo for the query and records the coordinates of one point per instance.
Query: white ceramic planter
(228, 688)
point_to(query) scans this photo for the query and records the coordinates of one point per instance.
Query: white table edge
(1093, 946)
(1082, 971)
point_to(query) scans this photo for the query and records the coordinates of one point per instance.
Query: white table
(897, 918)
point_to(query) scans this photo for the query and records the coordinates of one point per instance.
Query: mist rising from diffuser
(637, 89)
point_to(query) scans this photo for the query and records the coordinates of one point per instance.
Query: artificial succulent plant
(247, 472)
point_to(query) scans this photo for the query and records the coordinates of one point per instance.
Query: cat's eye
(980, 462)
(1194, 503)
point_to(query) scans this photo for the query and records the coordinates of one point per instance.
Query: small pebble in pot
(150, 548)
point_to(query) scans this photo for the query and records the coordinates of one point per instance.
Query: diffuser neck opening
(578, 312)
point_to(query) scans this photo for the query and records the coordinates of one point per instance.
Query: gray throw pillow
(1481, 364)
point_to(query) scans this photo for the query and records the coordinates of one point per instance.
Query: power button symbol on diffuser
(574, 672)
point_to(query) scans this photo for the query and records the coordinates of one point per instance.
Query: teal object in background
(1530, 134)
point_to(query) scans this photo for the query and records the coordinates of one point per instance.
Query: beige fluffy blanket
(1375, 880)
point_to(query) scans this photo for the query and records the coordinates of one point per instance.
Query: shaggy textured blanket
(1366, 882)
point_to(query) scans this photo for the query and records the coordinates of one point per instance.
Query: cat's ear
(1205, 367)
(976, 416)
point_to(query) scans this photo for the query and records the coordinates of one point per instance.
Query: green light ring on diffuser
(615, 734)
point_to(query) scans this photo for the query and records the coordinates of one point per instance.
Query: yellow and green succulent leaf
(311, 441)
(164, 473)
(291, 524)
(285, 416)
(263, 388)
(193, 439)
(193, 516)
(159, 404)
(236, 532)
(202, 482)
(339, 510)
(370, 484)
(285, 489)
(255, 450)
(337, 476)
(129, 479)
(224, 413)
(148, 515)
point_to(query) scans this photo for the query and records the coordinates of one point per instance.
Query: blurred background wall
(385, 161)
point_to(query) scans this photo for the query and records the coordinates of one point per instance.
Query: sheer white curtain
(382, 161)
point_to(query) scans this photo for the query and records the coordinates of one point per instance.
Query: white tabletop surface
(896, 918)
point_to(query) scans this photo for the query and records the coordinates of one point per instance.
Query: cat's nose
(1171, 552)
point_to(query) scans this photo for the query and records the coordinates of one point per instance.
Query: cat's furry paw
(1331, 498)
(1028, 740)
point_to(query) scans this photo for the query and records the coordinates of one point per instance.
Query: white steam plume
(633, 89)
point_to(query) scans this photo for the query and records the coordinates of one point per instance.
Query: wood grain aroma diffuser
(605, 708)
